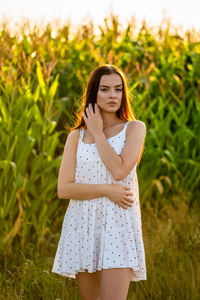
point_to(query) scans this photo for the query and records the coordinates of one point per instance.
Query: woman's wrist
(105, 190)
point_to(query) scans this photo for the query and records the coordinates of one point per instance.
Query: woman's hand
(120, 195)
(93, 120)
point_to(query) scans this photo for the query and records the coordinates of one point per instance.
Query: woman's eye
(106, 89)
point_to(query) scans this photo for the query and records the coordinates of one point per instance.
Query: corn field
(42, 78)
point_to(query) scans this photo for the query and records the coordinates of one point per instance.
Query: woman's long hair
(125, 112)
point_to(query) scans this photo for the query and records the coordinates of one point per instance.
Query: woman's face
(110, 90)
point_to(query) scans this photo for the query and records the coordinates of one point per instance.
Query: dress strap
(81, 133)
(124, 130)
(125, 127)
(126, 124)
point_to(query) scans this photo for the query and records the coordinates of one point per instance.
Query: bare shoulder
(136, 126)
(74, 133)
(73, 137)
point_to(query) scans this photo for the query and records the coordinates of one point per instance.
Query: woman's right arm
(66, 187)
(82, 191)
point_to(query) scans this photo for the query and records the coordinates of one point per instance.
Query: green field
(42, 80)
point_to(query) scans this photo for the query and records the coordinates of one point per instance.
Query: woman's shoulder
(136, 125)
(74, 132)
(73, 136)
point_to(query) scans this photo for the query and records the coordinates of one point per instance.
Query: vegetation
(42, 77)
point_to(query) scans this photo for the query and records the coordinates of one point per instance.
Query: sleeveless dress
(97, 233)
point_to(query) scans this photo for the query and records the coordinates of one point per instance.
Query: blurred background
(184, 14)
(47, 51)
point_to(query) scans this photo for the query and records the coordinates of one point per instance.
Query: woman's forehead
(112, 79)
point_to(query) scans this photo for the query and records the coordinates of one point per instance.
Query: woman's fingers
(123, 206)
(126, 203)
(128, 197)
(127, 187)
(91, 109)
(129, 193)
(88, 111)
(129, 200)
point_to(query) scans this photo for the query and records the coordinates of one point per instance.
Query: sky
(184, 13)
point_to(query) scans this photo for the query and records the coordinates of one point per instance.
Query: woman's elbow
(123, 174)
(119, 177)
(60, 192)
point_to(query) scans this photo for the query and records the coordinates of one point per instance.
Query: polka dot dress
(97, 233)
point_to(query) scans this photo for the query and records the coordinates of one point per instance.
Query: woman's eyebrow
(108, 86)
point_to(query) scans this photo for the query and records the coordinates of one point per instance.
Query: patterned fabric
(97, 233)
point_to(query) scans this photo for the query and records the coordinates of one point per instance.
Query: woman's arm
(118, 165)
(66, 187)
(82, 191)
(121, 165)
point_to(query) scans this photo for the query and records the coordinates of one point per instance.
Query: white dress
(97, 233)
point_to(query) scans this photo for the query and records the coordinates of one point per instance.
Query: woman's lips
(112, 103)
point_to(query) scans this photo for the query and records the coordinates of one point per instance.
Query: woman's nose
(112, 93)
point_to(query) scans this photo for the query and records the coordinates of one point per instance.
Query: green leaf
(53, 87)
(40, 79)
(5, 164)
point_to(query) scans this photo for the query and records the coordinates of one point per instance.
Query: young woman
(101, 243)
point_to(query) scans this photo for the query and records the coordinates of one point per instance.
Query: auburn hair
(125, 112)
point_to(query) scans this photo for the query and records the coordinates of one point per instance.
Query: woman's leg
(115, 283)
(89, 285)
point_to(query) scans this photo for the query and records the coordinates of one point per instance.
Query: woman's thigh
(115, 283)
(89, 285)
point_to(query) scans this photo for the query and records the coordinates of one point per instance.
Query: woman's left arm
(121, 165)
(118, 165)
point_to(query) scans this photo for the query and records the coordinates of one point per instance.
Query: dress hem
(72, 275)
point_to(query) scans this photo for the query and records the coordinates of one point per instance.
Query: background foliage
(42, 77)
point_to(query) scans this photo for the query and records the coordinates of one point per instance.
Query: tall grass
(171, 241)
(41, 82)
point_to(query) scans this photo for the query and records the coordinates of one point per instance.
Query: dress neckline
(111, 137)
